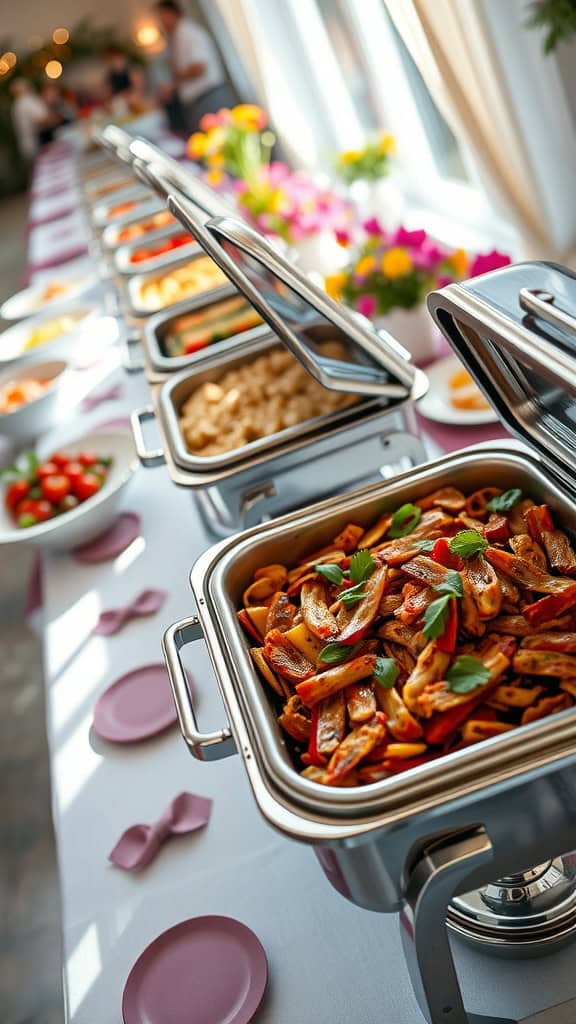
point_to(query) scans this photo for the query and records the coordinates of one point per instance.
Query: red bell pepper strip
(549, 607)
(246, 621)
(538, 520)
(441, 553)
(445, 724)
(447, 641)
(314, 756)
(497, 530)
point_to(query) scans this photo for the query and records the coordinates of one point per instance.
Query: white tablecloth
(330, 963)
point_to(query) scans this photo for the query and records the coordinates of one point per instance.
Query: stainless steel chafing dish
(101, 212)
(268, 476)
(133, 287)
(109, 238)
(123, 256)
(423, 843)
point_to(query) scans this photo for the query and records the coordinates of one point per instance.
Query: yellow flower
(350, 156)
(459, 262)
(277, 201)
(215, 160)
(334, 284)
(215, 176)
(366, 265)
(249, 116)
(197, 146)
(387, 144)
(215, 139)
(396, 262)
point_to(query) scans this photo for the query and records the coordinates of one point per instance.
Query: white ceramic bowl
(13, 339)
(28, 302)
(92, 517)
(35, 417)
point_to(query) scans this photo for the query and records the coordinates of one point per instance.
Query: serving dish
(135, 285)
(74, 319)
(437, 402)
(111, 237)
(127, 261)
(114, 210)
(37, 416)
(39, 297)
(424, 841)
(89, 519)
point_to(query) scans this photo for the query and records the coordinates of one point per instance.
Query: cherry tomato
(87, 458)
(15, 493)
(47, 469)
(60, 458)
(74, 471)
(25, 507)
(86, 486)
(42, 510)
(54, 488)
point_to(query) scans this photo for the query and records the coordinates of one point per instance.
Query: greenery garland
(557, 17)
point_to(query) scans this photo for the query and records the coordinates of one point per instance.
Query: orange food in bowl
(464, 393)
(16, 393)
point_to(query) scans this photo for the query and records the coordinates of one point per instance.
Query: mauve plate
(207, 970)
(124, 530)
(136, 706)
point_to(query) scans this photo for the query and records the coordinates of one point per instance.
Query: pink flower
(443, 281)
(366, 304)
(427, 257)
(484, 262)
(409, 238)
(373, 227)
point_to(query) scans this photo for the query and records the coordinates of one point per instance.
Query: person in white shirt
(198, 78)
(29, 114)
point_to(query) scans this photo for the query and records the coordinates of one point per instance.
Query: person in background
(58, 112)
(199, 83)
(124, 82)
(30, 114)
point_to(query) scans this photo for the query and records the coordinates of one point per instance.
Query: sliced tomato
(74, 471)
(47, 469)
(15, 493)
(87, 458)
(87, 486)
(196, 346)
(56, 487)
(60, 458)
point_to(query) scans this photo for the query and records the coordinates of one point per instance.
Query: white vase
(415, 330)
(318, 255)
(382, 199)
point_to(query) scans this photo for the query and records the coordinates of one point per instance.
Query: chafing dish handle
(128, 363)
(147, 458)
(206, 746)
(542, 304)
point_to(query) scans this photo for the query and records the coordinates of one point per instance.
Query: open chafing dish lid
(515, 331)
(294, 307)
(165, 174)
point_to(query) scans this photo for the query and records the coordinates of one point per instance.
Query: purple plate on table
(207, 970)
(136, 706)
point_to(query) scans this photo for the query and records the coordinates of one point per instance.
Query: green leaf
(352, 595)
(10, 476)
(436, 617)
(467, 543)
(386, 672)
(333, 573)
(426, 545)
(333, 654)
(506, 501)
(451, 585)
(404, 520)
(362, 566)
(466, 674)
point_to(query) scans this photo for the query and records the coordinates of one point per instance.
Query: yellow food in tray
(53, 329)
(255, 400)
(199, 275)
(464, 393)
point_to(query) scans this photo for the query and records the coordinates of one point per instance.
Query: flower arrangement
(396, 269)
(287, 203)
(368, 164)
(236, 142)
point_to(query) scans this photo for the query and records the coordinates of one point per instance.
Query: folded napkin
(139, 844)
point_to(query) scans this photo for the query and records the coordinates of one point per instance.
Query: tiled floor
(30, 960)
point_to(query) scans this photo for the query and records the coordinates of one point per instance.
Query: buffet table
(328, 960)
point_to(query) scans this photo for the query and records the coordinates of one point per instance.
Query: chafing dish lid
(165, 174)
(515, 331)
(298, 312)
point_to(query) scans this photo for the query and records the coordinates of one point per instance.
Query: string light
(53, 69)
(60, 36)
(147, 35)
(9, 58)
(4, 67)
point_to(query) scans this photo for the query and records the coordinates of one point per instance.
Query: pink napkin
(451, 438)
(139, 844)
(93, 401)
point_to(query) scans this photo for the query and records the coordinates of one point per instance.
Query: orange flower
(249, 116)
(334, 284)
(196, 146)
(396, 262)
(459, 263)
(215, 176)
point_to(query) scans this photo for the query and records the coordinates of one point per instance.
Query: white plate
(93, 516)
(36, 417)
(436, 405)
(28, 301)
(13, 340)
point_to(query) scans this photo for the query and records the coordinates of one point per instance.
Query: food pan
(138, 194)
(123, 256)
(110, 235)
(159, 365)
(135, 283)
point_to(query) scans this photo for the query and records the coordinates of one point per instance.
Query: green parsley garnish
(404, 520)
(386, 672)
(436, 614)
(362, 566)
(333, 573)
(467, 543)
(352, 595)
(334, 653)
(504, 502)
(451, 585)
(466, 674)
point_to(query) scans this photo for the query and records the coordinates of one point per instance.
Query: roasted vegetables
(445, 623)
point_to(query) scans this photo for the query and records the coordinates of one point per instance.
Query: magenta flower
(366, 305)
(373, 227)
(428, 257)
(443, 281)
(484, 262)
(342, 237)
(410, 238)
